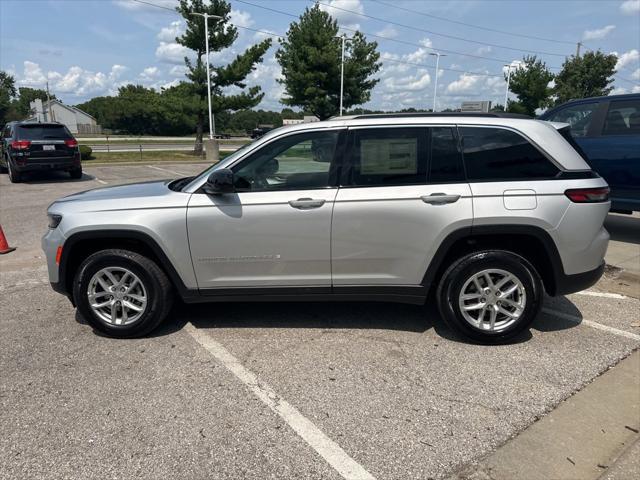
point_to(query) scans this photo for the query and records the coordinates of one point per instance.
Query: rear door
(402, 192)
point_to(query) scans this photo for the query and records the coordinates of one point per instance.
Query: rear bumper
(567, 284)
(33, 165)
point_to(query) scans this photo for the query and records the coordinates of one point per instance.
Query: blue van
(607, 129)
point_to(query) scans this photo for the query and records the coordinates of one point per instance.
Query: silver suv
(485, 211)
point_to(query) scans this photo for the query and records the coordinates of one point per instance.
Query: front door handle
(306, 203)
(440, 198)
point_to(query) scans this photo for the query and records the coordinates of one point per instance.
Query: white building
(75, 119)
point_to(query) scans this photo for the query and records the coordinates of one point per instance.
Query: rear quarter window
(494, 154)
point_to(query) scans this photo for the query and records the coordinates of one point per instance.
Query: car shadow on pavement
(39, 178)
(570, 316)
(623, 228)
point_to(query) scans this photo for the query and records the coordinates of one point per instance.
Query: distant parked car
(607, 130)
(31, 146)
(222, 136)
(260, 131)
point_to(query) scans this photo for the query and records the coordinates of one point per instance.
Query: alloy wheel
(117, 296)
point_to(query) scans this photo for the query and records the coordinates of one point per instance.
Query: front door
(274, 231)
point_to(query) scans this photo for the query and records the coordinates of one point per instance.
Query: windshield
(221, 164)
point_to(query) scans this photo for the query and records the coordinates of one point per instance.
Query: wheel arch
(532, 243)
(80, 245)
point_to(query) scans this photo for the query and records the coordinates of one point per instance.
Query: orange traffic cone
(4, 246)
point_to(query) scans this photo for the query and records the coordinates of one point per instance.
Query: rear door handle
(440, 198)
(307, 203)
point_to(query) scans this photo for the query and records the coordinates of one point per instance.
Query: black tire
(14, 177)
(76, 173)
(156, 284)
(463, 269)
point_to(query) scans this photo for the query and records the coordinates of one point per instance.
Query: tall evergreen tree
(310, 58)
(222, 34)
(590, 75)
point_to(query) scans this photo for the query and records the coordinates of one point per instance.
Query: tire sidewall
(129, 260)
(456, 276)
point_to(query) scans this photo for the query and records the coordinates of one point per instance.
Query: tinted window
(578, 116)
(499, 154)
(445, 158)
(393, 156)
(295, 162)
(623, 118)
(43, 132)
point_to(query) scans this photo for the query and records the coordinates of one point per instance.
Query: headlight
(54, 220)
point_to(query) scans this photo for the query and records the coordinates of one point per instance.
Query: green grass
(168, 156)
(151, 141)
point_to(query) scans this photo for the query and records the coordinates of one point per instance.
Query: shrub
(85, 152)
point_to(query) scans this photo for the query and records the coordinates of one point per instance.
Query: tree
(310, 58)
(7, 92)
(530, 82)
(28, 95)
(221, 35)
(590, 75)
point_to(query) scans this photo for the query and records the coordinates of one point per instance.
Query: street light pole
(506, 93)
(206, 17)
(435, 88)
(344, 39)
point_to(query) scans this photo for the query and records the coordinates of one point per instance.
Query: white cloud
(636, 75)
(149, 74)
(241, 19)
(76, 81)
(627, 58)
(337, 9)
(465, 83)
(178, 71)
(136, 6)
(172, 53)
(484, 50)
(169, 34)
(630, 7)
(598, 33)
(389, 32)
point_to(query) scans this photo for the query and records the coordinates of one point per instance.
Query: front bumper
(50, 243)
(567, 284)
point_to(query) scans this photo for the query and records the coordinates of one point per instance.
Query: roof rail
(443, 114)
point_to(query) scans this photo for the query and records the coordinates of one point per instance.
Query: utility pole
(435, 88)
(344, 39)
(578, 49)
(49, 111)
(506, 93)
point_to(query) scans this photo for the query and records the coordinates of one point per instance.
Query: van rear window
(43, 132)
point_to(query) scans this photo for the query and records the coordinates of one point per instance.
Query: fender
(554, 285)
(64, 285)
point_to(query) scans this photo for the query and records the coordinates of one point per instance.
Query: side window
(578, 116)
(445, 158)
(500, 154)
(388, 156)
(295, 162)
(623, 118)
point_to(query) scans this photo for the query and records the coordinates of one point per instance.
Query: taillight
(20, 144)
(588, 195)
(72, 142)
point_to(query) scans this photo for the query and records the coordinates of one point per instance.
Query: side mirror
(219, 182)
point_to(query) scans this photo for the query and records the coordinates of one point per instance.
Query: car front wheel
(122, 293)
(490, 296)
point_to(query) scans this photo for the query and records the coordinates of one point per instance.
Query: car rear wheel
(14, 177)
(122, 293)
(490, 296)
(76, 173)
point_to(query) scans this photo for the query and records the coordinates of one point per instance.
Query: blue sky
(87, 48)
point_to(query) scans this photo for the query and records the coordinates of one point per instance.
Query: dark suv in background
(31, 146)
(607, 129)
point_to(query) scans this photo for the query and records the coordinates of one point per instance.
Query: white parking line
(100, 181)
(173, 172)
(323, 445)
(589, 293)
(592, 324)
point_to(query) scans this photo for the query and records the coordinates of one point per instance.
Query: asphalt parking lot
(283, 390)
